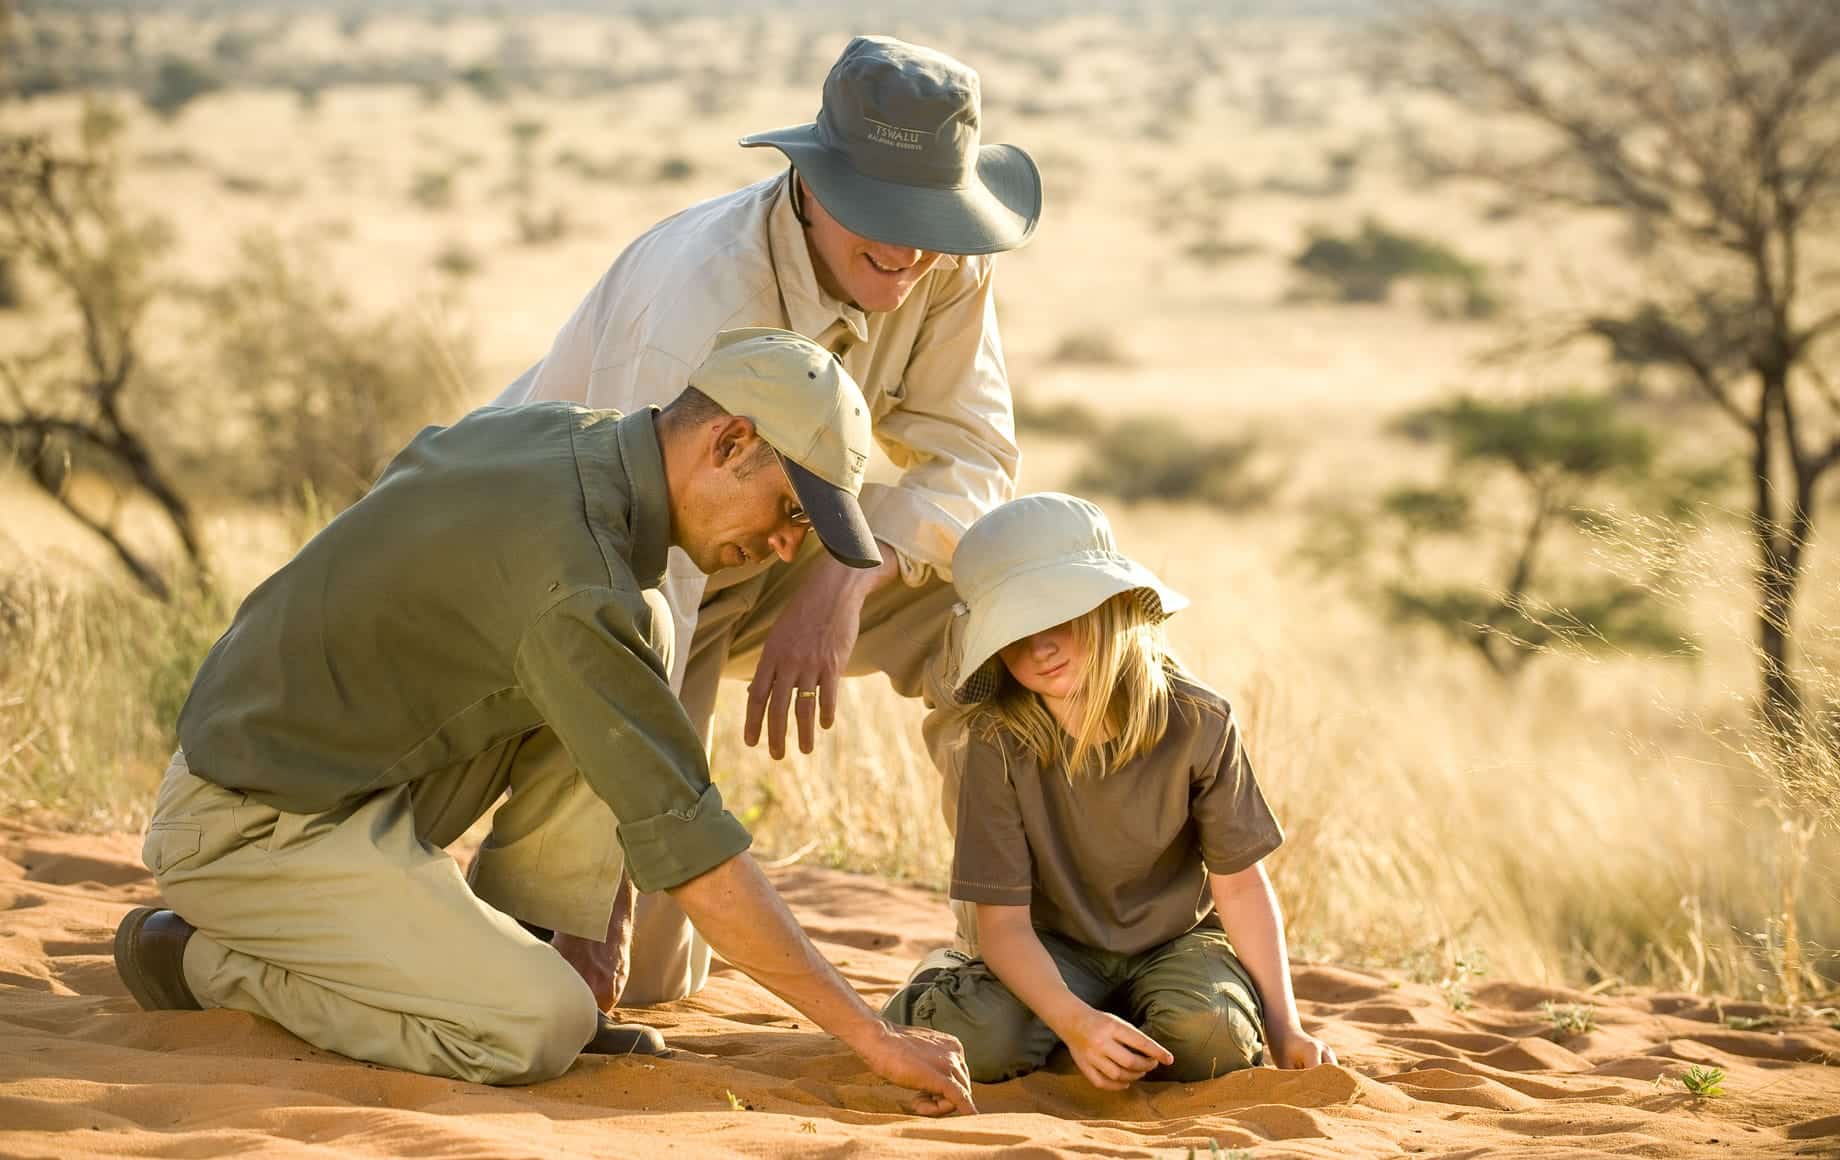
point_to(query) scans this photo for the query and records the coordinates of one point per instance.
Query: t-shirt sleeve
(1237, 827)
(990, 858)
(589, 668)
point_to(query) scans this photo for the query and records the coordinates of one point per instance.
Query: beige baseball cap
(812, 412)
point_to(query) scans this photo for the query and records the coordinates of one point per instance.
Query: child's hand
(1292, 1046)
(1111, 1053)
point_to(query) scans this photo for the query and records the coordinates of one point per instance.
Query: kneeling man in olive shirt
(486, 620)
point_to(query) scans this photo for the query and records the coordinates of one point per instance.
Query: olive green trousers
(1190, 994)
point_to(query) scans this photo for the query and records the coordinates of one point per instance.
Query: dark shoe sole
(626, 1039)
(141, 978)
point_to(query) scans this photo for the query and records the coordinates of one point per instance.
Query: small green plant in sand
(1472, 963)
(1703, 1083)
(1449, 967)
(736, 1103)
(1569, 1019)
(1215, 1152)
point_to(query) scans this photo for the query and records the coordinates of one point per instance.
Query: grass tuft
(1570, 1019)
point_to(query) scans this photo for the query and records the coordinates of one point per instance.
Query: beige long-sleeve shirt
(932, 371)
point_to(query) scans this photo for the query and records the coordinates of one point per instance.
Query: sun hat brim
(1037, 599)
(997, 211)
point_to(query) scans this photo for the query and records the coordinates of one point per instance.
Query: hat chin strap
(797, 189)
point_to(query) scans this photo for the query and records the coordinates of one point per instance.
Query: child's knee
(1002, 1038)
(1209, 1036)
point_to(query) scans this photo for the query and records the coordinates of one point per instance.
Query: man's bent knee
(543, 1030)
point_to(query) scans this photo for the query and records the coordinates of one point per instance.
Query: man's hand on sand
(605, 965)
(806, 651)
(931, 1062)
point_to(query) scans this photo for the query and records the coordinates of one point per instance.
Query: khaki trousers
(901, 633)
(356, 931)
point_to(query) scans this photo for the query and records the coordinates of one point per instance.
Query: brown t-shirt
(1118, 862)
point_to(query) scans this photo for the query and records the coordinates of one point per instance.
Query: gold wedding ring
(807, 693)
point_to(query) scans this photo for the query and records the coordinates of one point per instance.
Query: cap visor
(836, 517)
(996, 212)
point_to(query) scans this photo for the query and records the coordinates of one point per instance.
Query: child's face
(1048, 663)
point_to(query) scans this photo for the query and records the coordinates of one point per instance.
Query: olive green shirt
(1118, 862)
(488, 586)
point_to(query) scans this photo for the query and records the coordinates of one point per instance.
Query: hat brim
(836, 516)
(1040, 598)
(997, 211)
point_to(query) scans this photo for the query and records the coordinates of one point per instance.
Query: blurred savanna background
(1470, 367)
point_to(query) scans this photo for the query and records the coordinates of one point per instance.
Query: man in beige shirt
(877, 243)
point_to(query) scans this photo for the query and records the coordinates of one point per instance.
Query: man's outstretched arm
(747, 923)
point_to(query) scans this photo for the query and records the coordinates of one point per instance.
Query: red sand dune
(84, 1072)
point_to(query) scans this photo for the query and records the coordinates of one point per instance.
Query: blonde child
(1109, 829)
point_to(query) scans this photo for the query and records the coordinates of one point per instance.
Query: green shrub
(1366, 266)
(456, 261)
(673, 169)
(1097, 349)
(1064, 419)
(432, 189)
(177, 82)
(12, 296)
(325, 395)
(1158, 459)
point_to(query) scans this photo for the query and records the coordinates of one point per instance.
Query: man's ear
(734, 437)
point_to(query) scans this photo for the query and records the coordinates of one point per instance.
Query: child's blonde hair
(1121, 703)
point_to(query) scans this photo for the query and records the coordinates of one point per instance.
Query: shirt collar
(648, 497)
(809, 310)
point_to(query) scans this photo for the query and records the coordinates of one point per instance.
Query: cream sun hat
(1029, 565)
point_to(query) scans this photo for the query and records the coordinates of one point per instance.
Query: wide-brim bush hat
(1029, 565)
(895, 154)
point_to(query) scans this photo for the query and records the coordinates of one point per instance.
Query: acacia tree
(62, 404)
(1713, 128)
(1520, 477)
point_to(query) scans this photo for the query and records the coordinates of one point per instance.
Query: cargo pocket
(169, 843)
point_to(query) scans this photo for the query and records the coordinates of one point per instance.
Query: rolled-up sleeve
(953, 434)
(588, 667)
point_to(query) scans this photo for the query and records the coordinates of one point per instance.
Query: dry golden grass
(1592, 822)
